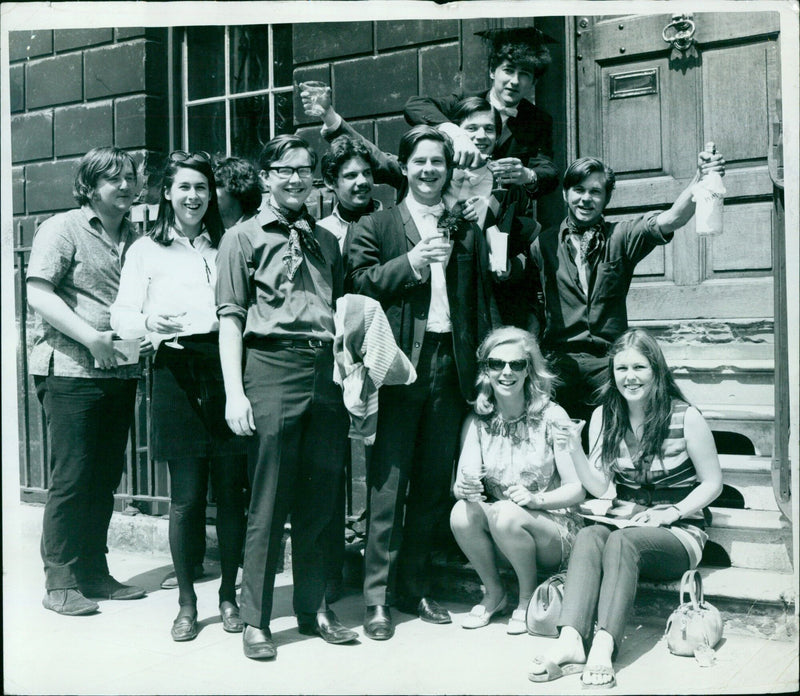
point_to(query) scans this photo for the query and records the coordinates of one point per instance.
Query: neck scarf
(592, 239)
(301, 235)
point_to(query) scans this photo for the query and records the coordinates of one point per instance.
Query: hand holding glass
(315, 96)
(567, 433)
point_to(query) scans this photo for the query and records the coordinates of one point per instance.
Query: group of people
(236, 298)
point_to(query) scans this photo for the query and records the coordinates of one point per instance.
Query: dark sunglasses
(183, 156)
(497, 365)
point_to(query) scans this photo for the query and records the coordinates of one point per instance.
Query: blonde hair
(538, 388)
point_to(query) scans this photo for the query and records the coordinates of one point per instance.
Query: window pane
(249, 58)
(284, 113)
(282, 54)
(206, 62)
(249, 126)
(207, 128)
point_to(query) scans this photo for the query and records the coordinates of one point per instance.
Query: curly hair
(657, 406)
(240, 179)
(538, 379)
(536, 59)
(98, 162)
(343, 149)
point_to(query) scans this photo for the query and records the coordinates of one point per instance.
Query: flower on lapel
(452, 222)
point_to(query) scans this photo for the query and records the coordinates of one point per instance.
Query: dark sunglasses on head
(497, 365)
(183, 156)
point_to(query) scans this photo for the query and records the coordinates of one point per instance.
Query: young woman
(659, 452)
(167, 292)
(514, 489)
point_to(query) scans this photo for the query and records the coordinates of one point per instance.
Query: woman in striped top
(651, 448)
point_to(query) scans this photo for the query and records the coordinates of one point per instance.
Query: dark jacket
(531, 133)
(378, 267)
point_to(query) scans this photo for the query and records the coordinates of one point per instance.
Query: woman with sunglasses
(657, 454)
(167, 292)
(515, 490)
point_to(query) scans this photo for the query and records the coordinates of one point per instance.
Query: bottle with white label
(709, 194)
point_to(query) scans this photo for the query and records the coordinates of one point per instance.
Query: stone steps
(751, 475)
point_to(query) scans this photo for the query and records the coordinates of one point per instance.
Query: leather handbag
(696, 624)
(544, 608)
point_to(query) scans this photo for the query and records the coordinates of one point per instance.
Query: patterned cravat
(592, 239)
(301, 235)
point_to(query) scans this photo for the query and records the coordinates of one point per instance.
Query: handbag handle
(692, 583)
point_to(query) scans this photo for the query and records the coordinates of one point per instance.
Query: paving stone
(53, 81)
(24, 45)
(32, 136)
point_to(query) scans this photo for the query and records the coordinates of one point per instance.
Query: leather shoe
(185, 626)
(378, 622)
(429, 610)
(109, 588)
(231, 621)
(69, 602)
(170, 581)
(258, 643)
(329, 628)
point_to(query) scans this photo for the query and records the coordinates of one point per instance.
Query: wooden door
(648, 119)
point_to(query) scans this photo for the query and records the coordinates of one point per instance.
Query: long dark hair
(212, 220)
(657, 406)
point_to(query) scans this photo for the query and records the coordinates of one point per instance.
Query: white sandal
(516, 624)
(480, 616)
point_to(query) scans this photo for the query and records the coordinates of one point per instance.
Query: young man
(278, 280)
(347, 170)
(238, 192)
(517, 59)
(583, 270)
(87, 393)
(433, 284)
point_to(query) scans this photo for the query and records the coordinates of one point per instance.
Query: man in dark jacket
(518, 58)
(430, 273)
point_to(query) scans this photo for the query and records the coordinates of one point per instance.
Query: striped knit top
(669, 479)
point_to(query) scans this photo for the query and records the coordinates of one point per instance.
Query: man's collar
(374, 206)
(125, 225)
(563, 230)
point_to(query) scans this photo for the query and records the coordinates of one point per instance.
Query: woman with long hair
(167, 292)
(515, 490)
(655, 454)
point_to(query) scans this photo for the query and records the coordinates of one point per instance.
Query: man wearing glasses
(278, 280)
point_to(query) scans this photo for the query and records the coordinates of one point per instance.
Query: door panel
(648, 120)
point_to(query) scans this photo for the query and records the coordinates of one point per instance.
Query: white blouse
(174, 279)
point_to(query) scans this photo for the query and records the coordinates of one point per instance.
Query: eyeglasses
(286, 172)
(497, 365)
(183, 156)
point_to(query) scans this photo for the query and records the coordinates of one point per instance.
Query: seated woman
(167, 291)
(659, 452)
(514, 489)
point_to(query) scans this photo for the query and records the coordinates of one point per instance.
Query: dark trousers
(295, 468)
(604, 570)
(187, 513)
(334, 531)
(409, 474)
(580, 376)
(88, 422)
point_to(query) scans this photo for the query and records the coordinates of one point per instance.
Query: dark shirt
(73, 253)
(252, 284)
(574, 322)
(530, 140)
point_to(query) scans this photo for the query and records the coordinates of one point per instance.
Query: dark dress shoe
(69, 602)
(328, 627)
(378, 622)
(109, 588)
(430, 611)
(258, 643)
(185, 626)
(231, 621)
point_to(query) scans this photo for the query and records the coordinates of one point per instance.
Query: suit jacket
(377, 266)
(531, 138)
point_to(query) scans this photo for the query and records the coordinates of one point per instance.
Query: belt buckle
(315, 343)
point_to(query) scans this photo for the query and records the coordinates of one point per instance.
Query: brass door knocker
(679, 33)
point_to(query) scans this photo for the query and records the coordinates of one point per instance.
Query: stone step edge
(745, 464)
(727, 366)
(753, 412)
